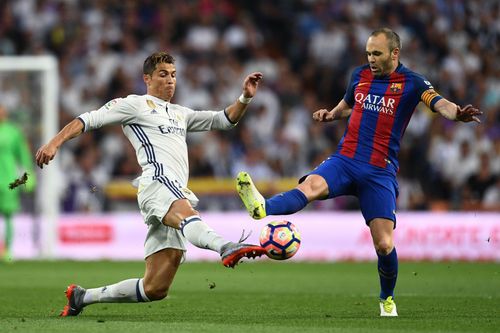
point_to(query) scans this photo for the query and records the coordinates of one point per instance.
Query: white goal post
(47, 198)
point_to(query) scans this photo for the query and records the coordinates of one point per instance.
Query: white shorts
(161, 237)
(154, 201)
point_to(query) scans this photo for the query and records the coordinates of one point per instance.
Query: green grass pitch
(261, 296)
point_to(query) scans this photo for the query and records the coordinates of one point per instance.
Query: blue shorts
(376, 188)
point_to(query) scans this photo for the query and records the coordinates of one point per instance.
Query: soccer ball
(280, 239)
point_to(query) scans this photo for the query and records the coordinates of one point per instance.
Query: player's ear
(146, 78)
(395, 53)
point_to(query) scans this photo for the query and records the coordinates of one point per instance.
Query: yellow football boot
(253, 200)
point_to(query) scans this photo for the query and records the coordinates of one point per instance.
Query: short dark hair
(392, 37)
(155, 59)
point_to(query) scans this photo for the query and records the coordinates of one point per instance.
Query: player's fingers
(470, 109)
(473, 113)
(317, 115)
(45, 158)
(255, 76)
(38, 158)
(320, 115)
(327, 116)
(476, 119)
(39, 162)
(468, 106)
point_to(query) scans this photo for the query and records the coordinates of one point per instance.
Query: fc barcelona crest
(396, 87)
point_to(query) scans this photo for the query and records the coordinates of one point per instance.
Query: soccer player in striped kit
(379, 102)
(157, 130)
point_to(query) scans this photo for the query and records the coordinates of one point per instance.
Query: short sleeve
(117, 111)
(426, 92)
(349, 94)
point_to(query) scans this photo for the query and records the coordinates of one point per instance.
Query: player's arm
(341, 111)
(452, 111)
(117, 111)
(47, 152)
(223, 120)
(441, 105)
(235, 111)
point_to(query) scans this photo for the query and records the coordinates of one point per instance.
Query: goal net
(29, 91)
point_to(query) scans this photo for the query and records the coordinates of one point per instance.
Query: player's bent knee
(155, 293)
(314, 187)
(383, 247)
(179, 210)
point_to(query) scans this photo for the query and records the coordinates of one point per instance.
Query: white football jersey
(157, 131)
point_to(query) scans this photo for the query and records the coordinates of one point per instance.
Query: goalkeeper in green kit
(15, 159)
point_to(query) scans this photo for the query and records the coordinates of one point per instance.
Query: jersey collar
(158, 100)
(398, 67)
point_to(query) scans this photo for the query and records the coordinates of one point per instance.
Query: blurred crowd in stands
(306, 50)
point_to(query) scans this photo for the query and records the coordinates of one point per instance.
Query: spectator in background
(284, 36)
(474, 189)
(491, 200)
(15, 160)
(468, 161)
(495, 158)
(85, 182)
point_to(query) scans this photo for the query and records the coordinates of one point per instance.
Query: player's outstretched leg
(74, 294)
(201, 235)
(388, 307)
(253, 200)
(231, 253)
(126, 291)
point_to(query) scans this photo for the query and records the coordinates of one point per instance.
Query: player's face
(380, 58)
(162, 82)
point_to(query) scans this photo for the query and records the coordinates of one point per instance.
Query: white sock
(127, 291)
(201, 235)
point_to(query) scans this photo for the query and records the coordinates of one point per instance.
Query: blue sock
(286, 203)
(388, 272)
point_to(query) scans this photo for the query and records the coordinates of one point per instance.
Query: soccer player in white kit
(157, 131)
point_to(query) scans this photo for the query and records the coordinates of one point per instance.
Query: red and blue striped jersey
(381, 110)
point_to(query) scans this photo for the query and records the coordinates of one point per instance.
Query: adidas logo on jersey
(152, 105)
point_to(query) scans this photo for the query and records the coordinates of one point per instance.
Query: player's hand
(45, 154)
(323, 115)
(468, 113)
(251, 83)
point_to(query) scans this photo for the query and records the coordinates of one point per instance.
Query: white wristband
(244, 100)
